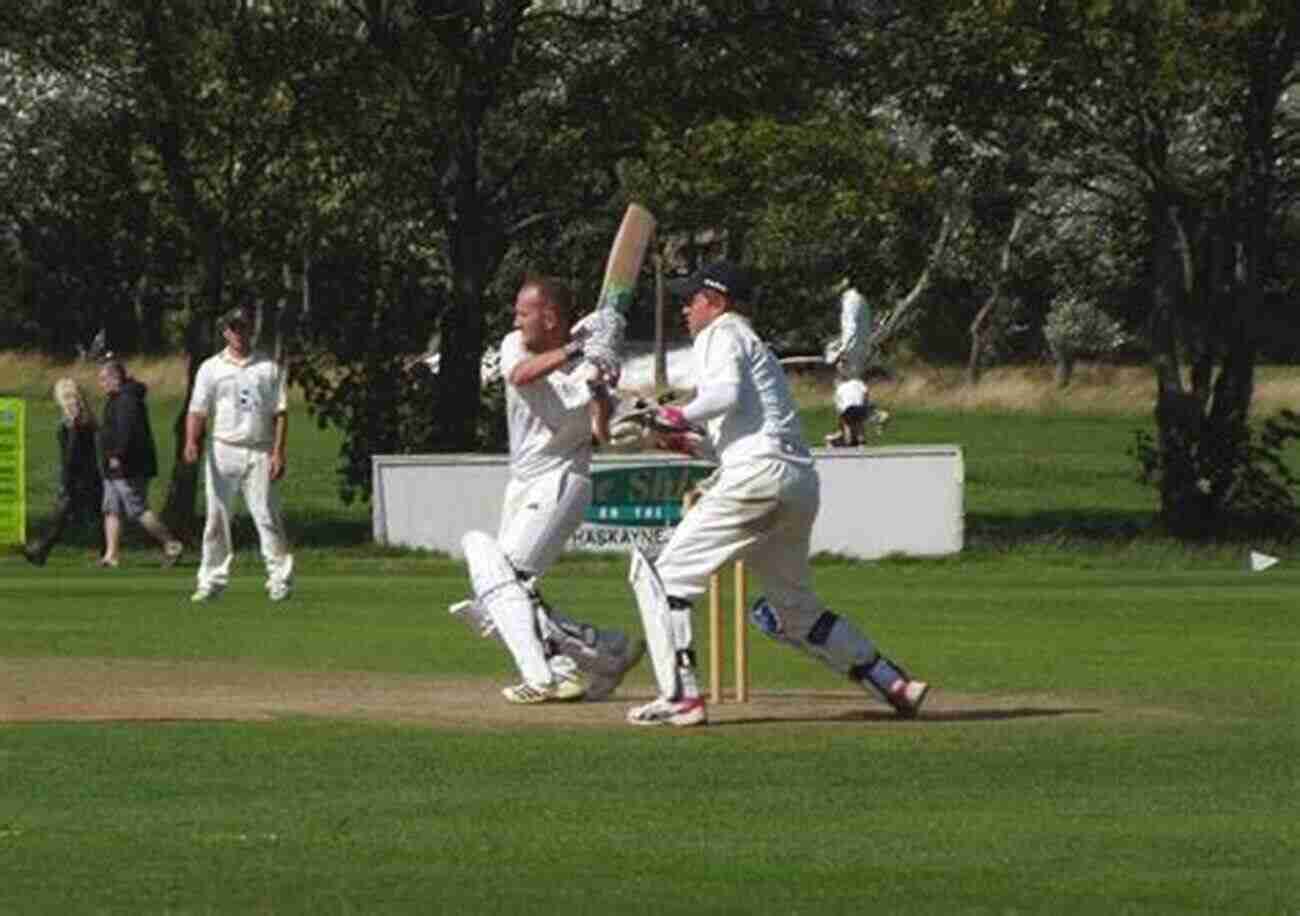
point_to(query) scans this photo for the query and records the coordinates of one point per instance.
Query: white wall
(875, 501)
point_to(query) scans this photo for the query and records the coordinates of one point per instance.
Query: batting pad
(499, 591)
(652, 602)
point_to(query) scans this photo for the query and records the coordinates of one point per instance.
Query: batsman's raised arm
(540, 365)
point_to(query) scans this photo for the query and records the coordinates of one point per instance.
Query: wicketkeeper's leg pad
(836, 642)
(667, 630)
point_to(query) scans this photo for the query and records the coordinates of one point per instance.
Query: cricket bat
(618, 289)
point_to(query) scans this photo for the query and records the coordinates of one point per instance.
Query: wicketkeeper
(759, 506)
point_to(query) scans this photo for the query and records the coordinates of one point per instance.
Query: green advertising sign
(13, 483)
(637, 505)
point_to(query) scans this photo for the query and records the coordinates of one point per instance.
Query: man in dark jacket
(129, 462)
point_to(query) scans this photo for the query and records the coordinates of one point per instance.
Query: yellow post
(741, 635)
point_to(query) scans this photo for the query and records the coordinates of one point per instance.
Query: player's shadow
(929, 716)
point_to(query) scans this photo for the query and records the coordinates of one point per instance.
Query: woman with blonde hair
(80, 486)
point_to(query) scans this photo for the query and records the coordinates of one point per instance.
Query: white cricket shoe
(203, 594)
(565, 688)
(279, 592)
(662, 711)
(622, 661)
(907, 696)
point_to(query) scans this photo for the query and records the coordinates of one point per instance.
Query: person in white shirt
(849, 354)
(759, 506)
(240, 403)
(553, 414)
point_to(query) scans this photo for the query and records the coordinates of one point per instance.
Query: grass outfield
(1104, 737)
(1113, 728)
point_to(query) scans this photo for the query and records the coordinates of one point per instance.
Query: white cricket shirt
(763, 422)
(240, 398)
(855, 326)
(550, 427)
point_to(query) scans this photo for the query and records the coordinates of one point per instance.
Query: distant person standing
(81, 490)
(240, 403)
(129, 462)
(849, 355)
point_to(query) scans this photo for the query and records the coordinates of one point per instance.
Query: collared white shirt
(855, 328)
(763, 422)
(240, 398)
(548, 420)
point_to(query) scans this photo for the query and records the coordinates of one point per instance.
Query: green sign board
(13, 482)
(636, 505)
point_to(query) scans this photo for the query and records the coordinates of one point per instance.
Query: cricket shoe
(907, 696)
(172, 554)
(204, 594)
(621, 662)
(563, 689)
(662, 711)
(279, 592)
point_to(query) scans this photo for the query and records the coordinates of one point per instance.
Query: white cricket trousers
(762, 512)
(236, 470)
(539, 516)
(537, 519)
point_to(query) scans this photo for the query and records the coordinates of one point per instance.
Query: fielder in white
(760, 506)
(849, 354)
(555, 407)
(240, 403)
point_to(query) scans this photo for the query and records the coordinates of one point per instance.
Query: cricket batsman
(759, 506)
(555, 407)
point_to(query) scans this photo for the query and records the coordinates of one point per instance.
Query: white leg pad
(663, 639)
(511, 607)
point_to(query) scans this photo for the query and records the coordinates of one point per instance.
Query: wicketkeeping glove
(674, 432)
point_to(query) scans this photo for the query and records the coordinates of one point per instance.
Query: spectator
(80, 486)
(130, 461)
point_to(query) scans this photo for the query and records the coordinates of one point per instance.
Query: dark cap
(241, 316)
(722, 276)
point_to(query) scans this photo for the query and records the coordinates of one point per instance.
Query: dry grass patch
(33, 376)
(1096, 388)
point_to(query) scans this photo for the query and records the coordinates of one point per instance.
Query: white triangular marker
(1261, 561)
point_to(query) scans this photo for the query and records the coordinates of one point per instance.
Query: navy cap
(725, 277)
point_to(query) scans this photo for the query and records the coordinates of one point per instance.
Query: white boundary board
(875, 501)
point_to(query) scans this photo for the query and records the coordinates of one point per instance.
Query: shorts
(856, 413)
(126, 496)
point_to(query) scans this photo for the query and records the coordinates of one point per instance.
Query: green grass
(1130, 745)
(1113, 731)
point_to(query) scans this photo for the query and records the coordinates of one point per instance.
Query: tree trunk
(1064, 362)
(660, 352)
(182, 489)
(978, 341)
(462, 328)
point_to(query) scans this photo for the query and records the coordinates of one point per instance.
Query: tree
(1176, 104)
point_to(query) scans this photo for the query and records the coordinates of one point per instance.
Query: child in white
(240, 402)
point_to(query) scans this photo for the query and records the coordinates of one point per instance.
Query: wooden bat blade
(625, 258)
